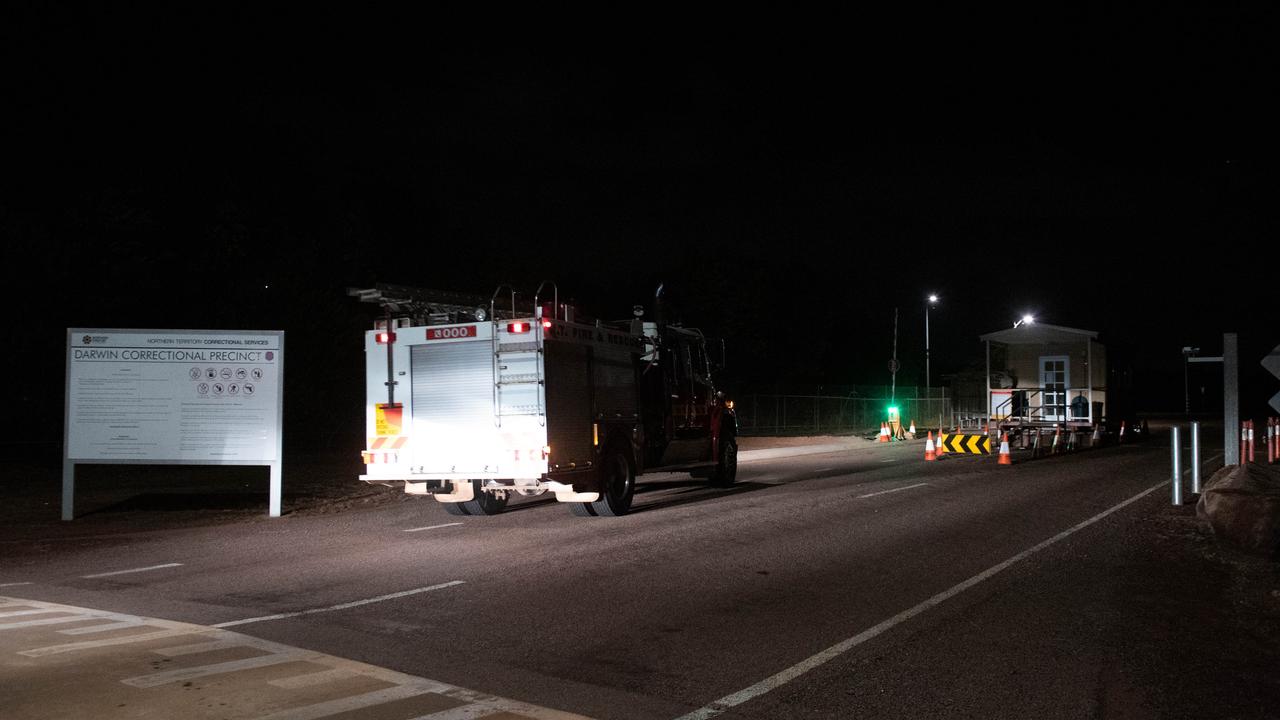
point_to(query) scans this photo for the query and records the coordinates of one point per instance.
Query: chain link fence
(824, 414)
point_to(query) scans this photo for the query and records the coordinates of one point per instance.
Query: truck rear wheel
(726, 470)
(617, 486)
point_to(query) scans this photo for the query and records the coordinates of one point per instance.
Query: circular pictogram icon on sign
(195, 373)
(233, 389)
(217, 388)
(257, 373)
(210, 374)
(203, 388)
(241, 373)
(225, 373)
(248, 388)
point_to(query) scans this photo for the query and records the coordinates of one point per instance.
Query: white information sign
(173, 397)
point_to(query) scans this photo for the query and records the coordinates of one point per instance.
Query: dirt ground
(1209, 611)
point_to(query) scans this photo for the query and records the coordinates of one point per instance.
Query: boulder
(1242, 504)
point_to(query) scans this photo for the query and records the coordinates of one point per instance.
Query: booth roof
(1038, 334)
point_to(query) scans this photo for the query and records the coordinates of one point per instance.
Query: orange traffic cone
(884, 432)
(1057, 434)
(939, 447)
(929, 455)
(911, 432)
(1004, 450)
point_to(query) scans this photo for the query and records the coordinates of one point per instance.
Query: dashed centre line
(432, 527)
(343, 606)
(893, 490)
(133, 570)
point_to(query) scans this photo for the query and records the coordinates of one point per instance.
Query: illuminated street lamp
(1026, 320)
(933, 300)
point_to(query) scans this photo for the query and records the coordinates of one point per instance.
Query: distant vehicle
(471, 400)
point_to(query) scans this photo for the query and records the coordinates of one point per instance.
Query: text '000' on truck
(471, 399)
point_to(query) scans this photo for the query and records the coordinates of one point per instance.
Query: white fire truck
(470, 400)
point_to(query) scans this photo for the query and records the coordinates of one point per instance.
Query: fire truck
(471, 400)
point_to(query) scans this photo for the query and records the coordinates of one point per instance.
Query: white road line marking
(889, 460)
(464, 712)
(16, 613)
(343, 606)
(90, 644)
(885, 492)
(432, 527)
(14, 584)
(104, 628)
(355, 702)
(312, 679)
(134, 570)
(47, 621)
(785, 676)
(191, 673)
(194, 648)
(824, 469)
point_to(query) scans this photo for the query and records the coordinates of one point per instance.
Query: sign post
(173, 397)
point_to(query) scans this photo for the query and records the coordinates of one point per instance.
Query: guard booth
(1040, 376)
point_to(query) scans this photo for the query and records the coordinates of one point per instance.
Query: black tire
(483, 503)
(726, 471)
(455, 509)
(617, 485)
(578, 509)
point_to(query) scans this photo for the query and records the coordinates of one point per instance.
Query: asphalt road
(678, 608)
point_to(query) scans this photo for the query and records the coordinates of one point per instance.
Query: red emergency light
(546, 324)
(518, 327)
(386, 337)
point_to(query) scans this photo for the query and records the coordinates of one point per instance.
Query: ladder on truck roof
(438, 307)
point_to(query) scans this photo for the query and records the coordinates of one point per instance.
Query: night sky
(791, 182)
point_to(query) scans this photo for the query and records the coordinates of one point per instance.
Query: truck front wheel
(726, 470)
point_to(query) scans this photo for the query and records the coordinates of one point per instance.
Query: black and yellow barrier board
(972, 444)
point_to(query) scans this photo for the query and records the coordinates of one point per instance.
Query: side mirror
(715, 353)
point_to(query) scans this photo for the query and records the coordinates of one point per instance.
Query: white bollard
(1177, 467)
(1195, 458)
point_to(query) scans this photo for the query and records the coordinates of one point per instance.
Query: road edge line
(818, 659)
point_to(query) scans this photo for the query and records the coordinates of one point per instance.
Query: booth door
(1054, 380)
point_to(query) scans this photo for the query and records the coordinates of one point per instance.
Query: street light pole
(927, 378)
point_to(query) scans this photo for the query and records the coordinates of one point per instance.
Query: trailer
(470, 401)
